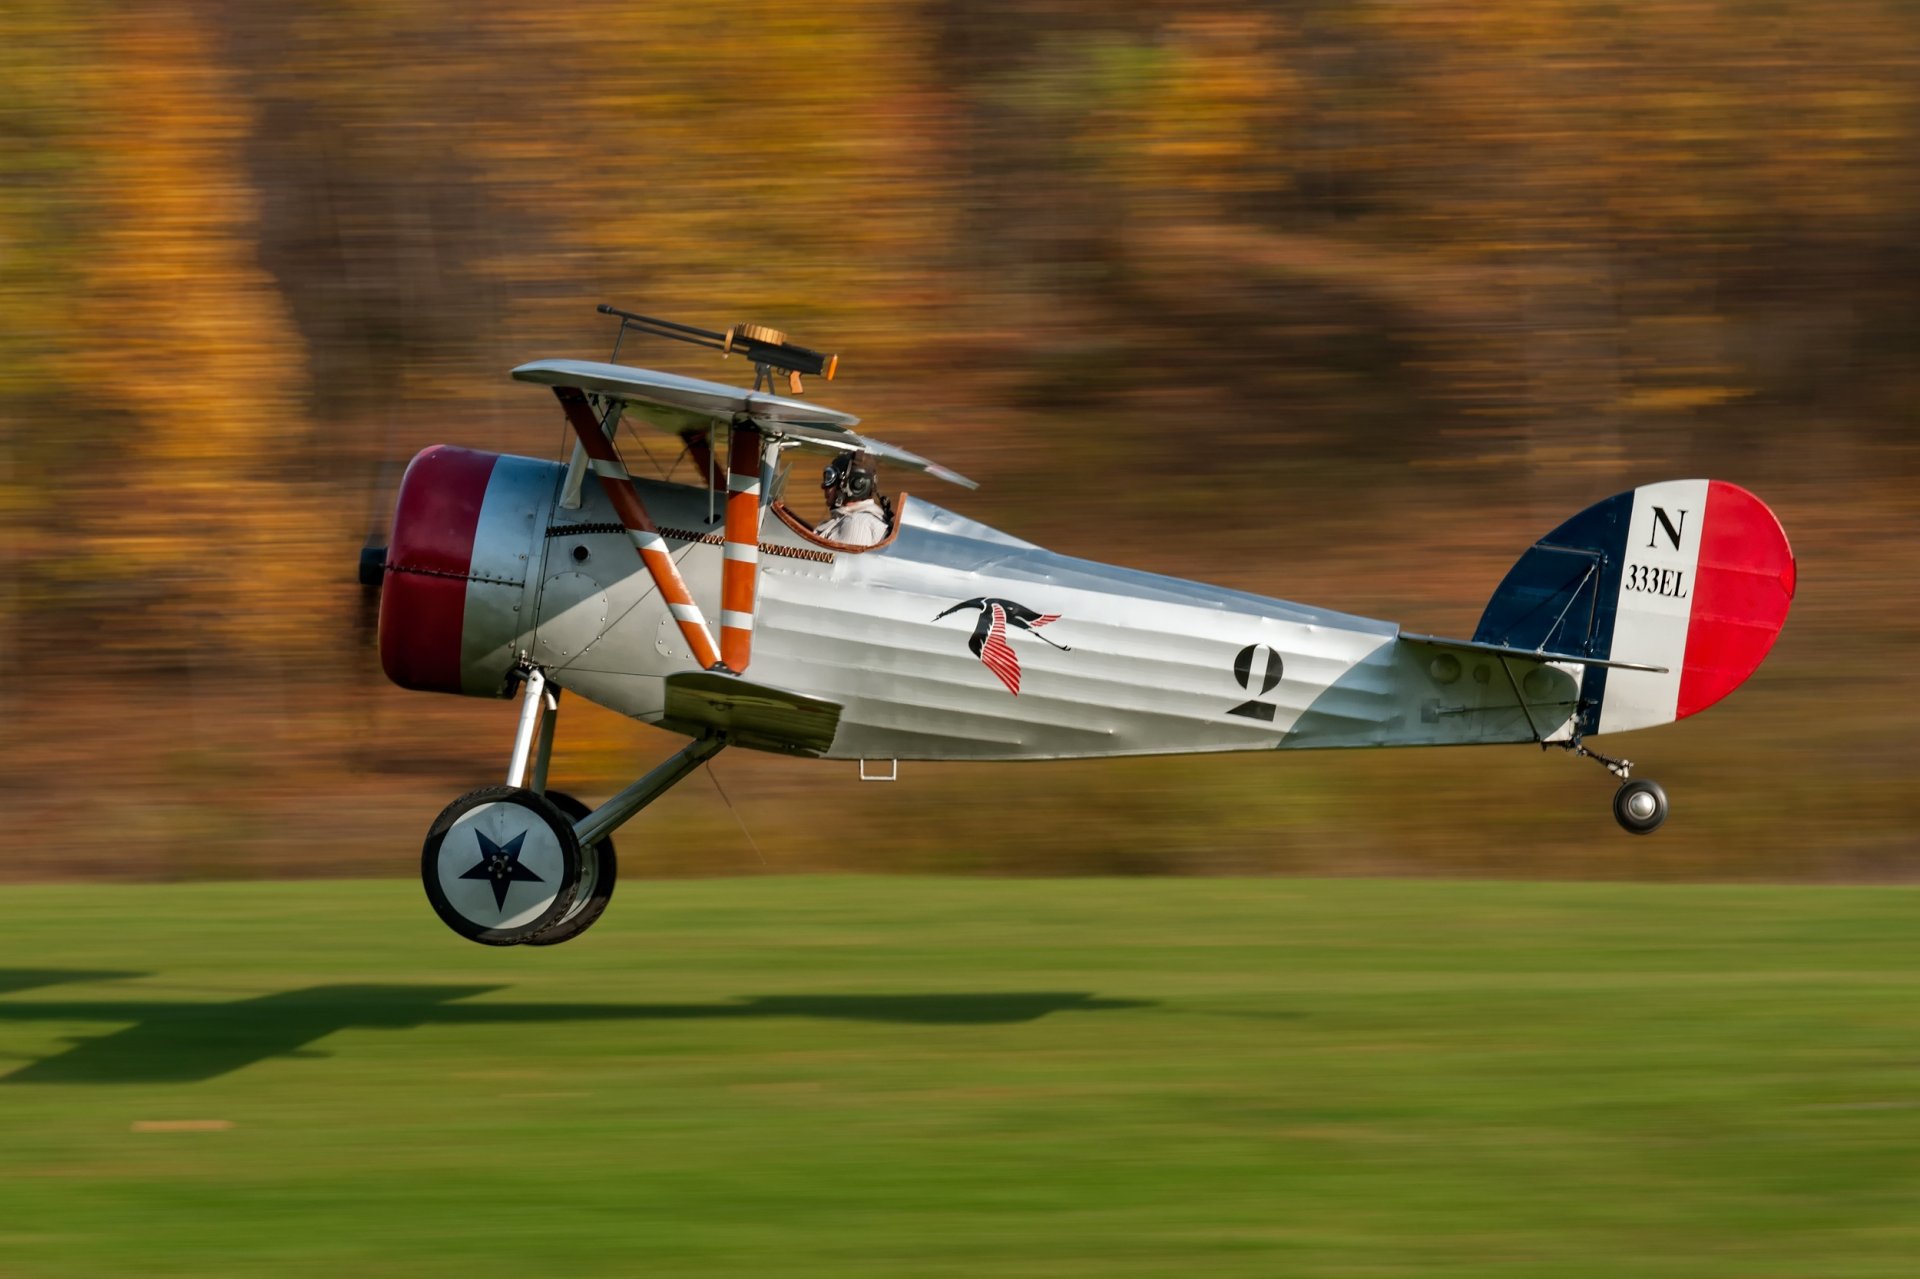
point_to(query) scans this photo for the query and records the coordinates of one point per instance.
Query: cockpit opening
(851, 514)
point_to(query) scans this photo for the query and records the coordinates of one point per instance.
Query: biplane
(510, 576)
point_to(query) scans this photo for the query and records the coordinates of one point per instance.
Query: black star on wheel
(500, 866)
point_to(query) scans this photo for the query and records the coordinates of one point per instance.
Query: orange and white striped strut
(741, 550)
(604, 461)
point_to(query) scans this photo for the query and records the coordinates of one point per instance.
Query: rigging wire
(652, 460)
(751, 842)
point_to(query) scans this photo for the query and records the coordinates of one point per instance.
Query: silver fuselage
(1132, 663)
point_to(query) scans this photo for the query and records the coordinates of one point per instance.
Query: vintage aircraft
(951, 640)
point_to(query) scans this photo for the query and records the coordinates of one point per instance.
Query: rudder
(1692, 575)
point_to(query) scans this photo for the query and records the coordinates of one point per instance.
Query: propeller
(383, 481)
(373, 562)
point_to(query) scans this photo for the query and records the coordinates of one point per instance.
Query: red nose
(423, 602)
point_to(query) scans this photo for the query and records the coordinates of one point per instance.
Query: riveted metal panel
(501, 588)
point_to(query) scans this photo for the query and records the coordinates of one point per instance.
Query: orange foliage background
(1359, 297)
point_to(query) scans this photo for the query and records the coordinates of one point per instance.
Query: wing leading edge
(676, 403)
(757, 716)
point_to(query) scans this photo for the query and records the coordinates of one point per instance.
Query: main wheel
(501, 864)
(1640, 806)
(598, 870)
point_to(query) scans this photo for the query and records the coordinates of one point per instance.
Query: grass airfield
(905, 1076)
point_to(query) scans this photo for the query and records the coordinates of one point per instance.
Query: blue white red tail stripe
(1660, 562)
(1691, 575)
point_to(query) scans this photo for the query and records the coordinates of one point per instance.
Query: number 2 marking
(1257, 662)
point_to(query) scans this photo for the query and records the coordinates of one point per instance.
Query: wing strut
(604, 460)
(1521, 698)
(741, 551)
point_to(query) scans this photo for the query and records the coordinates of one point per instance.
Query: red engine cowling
(467, 525)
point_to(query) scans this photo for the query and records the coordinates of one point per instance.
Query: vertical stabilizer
(1692, 575)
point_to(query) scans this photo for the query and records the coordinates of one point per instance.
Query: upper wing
(678, 403)
(839, 441)
(670, 400)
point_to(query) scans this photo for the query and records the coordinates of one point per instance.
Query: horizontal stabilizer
(1531, 655)
(757, 716)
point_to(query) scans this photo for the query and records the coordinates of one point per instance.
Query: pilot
(852, 490)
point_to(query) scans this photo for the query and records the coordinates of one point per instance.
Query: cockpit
(746, 445)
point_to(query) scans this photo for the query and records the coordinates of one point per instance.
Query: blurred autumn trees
(1282, 274)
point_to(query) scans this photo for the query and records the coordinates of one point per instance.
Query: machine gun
(768, 348)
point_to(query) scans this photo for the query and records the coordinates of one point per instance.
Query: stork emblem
(989, 639)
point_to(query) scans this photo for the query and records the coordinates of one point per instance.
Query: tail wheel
(1640, 806)
(598, 870)
(501, 864)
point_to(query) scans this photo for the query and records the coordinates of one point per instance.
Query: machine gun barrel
(667, 328)
(761, 346)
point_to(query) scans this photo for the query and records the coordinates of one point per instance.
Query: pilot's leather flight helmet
(850, 477)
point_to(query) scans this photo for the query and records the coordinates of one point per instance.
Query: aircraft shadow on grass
(170, 1041)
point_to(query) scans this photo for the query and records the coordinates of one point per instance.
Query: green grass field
(905, 1076)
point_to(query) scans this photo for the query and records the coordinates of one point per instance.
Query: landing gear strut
(598, 870)
(521, 865)
(1639, 805)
